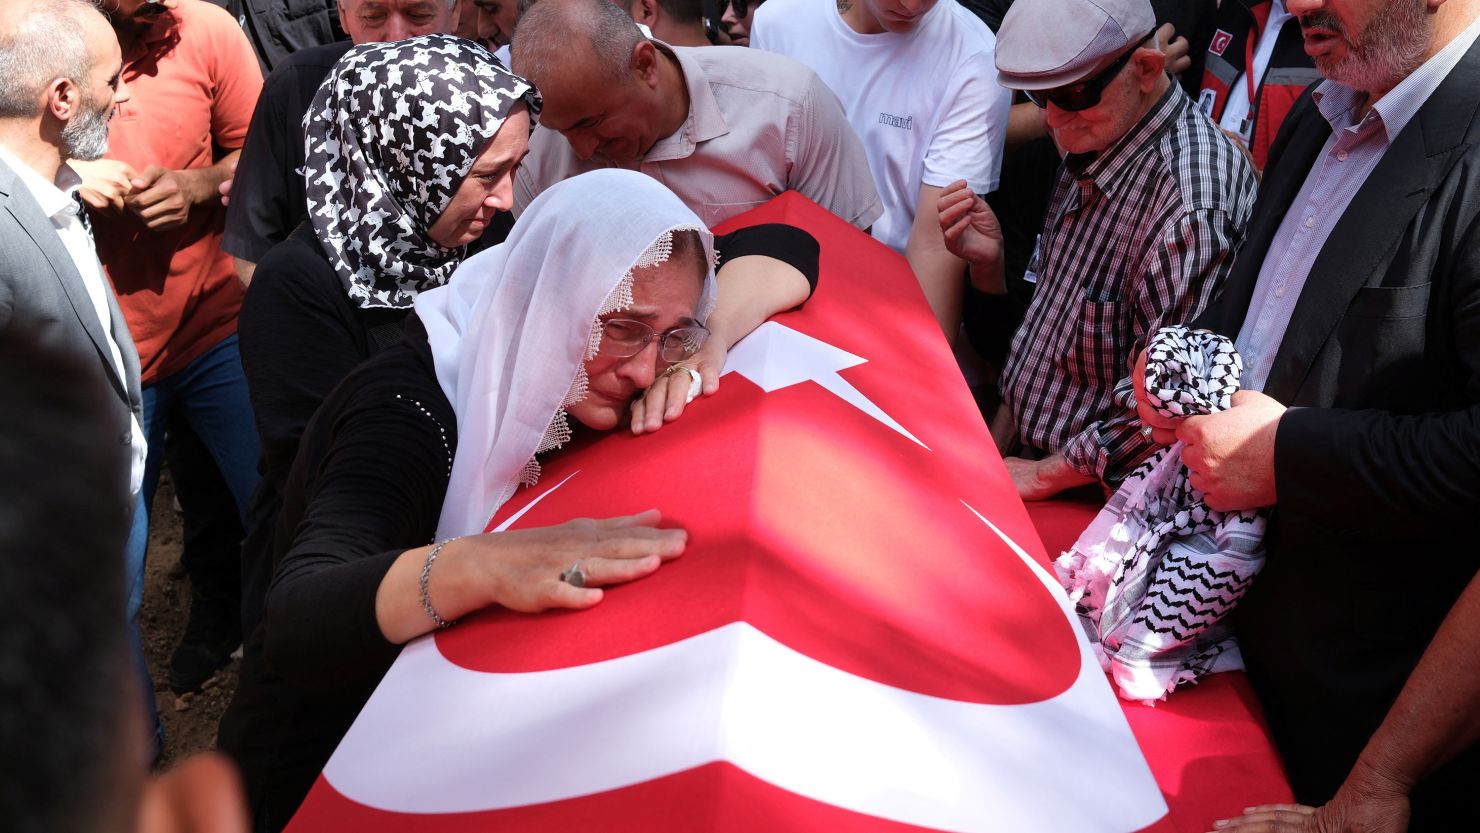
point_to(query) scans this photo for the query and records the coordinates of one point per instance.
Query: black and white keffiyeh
(390, 136)
(1156, 571)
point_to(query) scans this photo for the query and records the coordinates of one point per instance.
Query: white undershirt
(1238, 106)
(58, 204)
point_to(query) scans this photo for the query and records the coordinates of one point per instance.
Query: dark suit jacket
(1377, 465)
(41, 289)
(278, 28)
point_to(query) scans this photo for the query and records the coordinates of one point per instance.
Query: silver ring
(575, 576)
(1146, 431)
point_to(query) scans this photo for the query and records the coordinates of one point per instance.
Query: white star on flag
(776, 356)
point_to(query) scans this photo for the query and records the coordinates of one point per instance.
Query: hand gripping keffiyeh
(390, 136)
(511, 333)
(1156, 571)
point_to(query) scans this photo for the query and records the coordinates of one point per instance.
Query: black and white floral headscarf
(390, 136)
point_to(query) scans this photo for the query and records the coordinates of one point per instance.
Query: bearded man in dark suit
(1355, 302)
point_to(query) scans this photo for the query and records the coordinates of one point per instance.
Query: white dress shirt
(58, 202)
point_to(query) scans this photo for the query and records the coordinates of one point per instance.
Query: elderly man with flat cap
(1149, 207)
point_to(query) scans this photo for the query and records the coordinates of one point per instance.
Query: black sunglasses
(1082, 95)
(741, 6)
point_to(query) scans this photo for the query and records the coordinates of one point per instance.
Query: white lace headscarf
(511, 332)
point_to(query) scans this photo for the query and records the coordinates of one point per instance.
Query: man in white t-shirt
(918, 82)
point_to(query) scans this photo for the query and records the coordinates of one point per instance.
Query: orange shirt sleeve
(237, 77)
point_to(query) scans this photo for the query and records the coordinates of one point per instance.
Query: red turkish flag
(854, 640)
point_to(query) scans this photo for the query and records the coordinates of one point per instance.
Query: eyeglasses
(622, 338)
(741, 6)
(1082, 95)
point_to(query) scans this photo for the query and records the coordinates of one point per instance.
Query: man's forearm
(203, 185)
(1024, 124)
(989, 278)
(1437, 714)
(1042, 479)
(244, 270)
(939, 272)
(1056, 471)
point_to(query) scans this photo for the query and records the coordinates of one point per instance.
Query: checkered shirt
(1139, 236)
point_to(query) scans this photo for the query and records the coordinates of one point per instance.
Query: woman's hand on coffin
(523, 568)
(1352, 810)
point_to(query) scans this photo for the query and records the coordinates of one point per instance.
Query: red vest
(1239, 23)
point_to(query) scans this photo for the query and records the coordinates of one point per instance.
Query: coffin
(861, 635)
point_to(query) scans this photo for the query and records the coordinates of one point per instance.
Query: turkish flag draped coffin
(854, 640)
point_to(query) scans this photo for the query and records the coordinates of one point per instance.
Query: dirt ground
(189, 721)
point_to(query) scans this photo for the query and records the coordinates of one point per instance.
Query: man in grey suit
(61, 66)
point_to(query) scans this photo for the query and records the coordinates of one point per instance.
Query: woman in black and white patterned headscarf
(402, 165)
(411, 151)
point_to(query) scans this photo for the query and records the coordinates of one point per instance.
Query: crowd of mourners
(350, 269)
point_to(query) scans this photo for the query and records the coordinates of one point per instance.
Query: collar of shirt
(705, 121)
(53, 197)
(1276, 8)
(1337, 102)
(161, 35)
(1114, 164)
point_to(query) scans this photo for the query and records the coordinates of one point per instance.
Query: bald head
(41, 41)
(546, 32)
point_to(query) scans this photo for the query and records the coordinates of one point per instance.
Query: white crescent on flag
(734, 694)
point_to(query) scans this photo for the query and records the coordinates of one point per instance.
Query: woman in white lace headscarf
(561, 275)
(604, 284)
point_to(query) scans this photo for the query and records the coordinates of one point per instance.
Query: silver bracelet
(426, 574)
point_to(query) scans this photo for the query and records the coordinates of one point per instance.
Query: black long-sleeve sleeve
(300, 337)
(369, 485)
(785, 243)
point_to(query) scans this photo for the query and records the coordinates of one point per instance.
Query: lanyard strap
(1249, 60)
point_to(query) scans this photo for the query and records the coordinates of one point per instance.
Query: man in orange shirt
(157, 219)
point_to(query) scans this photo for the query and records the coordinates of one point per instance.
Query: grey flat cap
(1044, 44)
